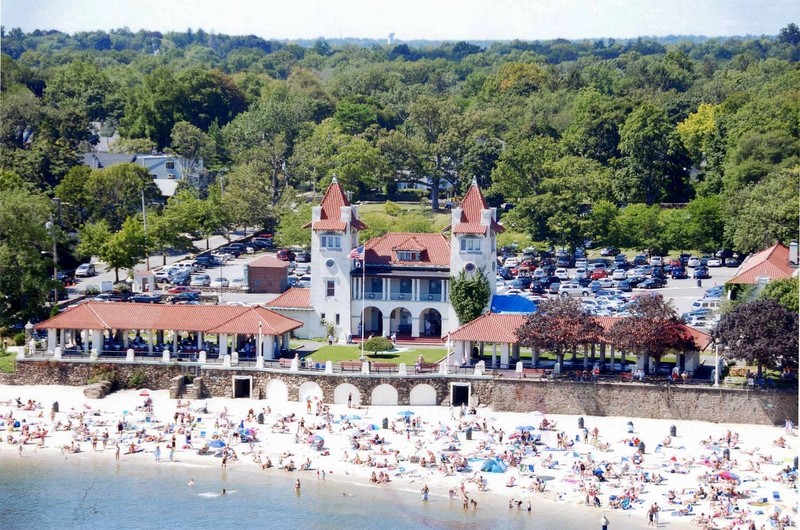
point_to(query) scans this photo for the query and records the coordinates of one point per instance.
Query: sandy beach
(707, 475)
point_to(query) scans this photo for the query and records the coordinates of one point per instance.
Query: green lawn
(338, 353)
(8, 363)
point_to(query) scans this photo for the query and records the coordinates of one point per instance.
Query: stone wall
(604, 399)
(646, 401)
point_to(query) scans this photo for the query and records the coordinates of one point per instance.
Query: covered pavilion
(499, 331)
(183, 331)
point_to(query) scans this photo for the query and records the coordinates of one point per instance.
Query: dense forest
(670, 144)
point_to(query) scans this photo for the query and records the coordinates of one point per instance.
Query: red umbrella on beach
(144, 393)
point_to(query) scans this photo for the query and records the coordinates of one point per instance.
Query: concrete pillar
(93, 354)
(401, 369)
(150, 340)
(226, 360)
(202, 357)
(443, 368)
(384, 288)
(468, 352)
(269, 347)
(504, 350)
(175, 339)
(57, 353)
(62, 341)
(87, 336)
(129, 355)
(602, 353)
(165, 356)
(259, 361)
(611, 355)
(125, 339)
(199, 339)
(494, 354)
(415, 326)
(328, 367)
(534, 357)
(387, 322)
(295, 367)
(479, 369)
(234, 358)
(365, 367)
(519, 369)
(285, 341)
(51, 339)
(223, 344)
(458, 353)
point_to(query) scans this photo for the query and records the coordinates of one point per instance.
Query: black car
(548, 269)
(185, 296)
(145, 298)
(624, 286)
(537, 287)
(658, 272)
(303, 257)
(653, 283)
(583, 282)
(731, 262)
(234, 251)
(634, 281)
(546, 282)
(701, 273)
(113, 296)
(609, 251)
(564, 261)
(207, 261)
(522, 283)
(504, 273)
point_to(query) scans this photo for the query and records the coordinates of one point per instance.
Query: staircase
(186, 391)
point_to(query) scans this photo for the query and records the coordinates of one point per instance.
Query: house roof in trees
(772, 263)
(434, 249)
(471, 214)
(294, 298)
(330, 217)
(209, 319)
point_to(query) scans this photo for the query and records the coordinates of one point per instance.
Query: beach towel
(776, 495)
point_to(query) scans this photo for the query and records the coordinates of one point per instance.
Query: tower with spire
(334, 232)
(473, 245)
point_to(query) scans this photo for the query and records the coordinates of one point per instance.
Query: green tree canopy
(469, 295)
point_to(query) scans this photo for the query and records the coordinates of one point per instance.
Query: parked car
(573, 289)
(656, 261)
(694, 261)
(599, 273)
(554, 287)
(85, 270)
(522, 283)
(237, 283)
(696, 312)
(714, 262)
(219, 283)
(185, 297)
(678, 273)
(200, 280)
(640, 259)
(113, 296)
(144, 298)
(624, 286)
(581, 263)
(653, 283)
(302, 256)
(729, 262)
(562, 273)
(177, 289)
(618, 274)
(718, 291)
(537, 287)
(609, 251)
(504, 273)
(700, 273)
(635, 280)
(285, 254)
(549, 280)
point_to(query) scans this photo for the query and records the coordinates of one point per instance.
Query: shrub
(378, 344)
(137, 379)
(19, 339)
(392, 208)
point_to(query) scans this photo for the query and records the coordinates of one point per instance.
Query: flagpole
(363, 298)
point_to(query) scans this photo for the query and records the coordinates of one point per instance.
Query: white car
(562, 274)
(581, 263)
(510, 262)
(237, 283)
(694, 261)
(619, 274)
(714, 262)
(200, 280)
(538, 274)
(219, 282)
(574, 289)
(301, 270)
(656, 261)
(86, 269)
(580, 272)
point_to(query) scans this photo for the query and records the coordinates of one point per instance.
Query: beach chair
(776, 495)
(625, 504)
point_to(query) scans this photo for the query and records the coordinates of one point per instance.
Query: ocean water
(81, 491)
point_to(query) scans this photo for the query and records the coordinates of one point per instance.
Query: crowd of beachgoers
(642, 471)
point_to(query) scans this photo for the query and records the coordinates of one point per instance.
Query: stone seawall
(602, 399)
(647, 401)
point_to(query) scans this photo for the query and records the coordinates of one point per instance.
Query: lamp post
(51, 226)
(716, 363)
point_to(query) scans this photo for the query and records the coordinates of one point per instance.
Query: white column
(223, 344)
(175, 338)
(51, 339)
(494, 354)
(458, 352)
(87, 336)
(414, 326)
(387, 323)
(199, 340)
(504, 353)
(269, 346)
(63, 338)
(468, 351)
(97, 339)
(150, 340)
(385, 289)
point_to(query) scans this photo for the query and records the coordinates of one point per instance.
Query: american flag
(356, 253)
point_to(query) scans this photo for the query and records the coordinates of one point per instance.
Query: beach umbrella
(525, 428)
(405, 413)
(727, 475)
(144, 393)
(353, 417)
(537, 413)
(217, 444)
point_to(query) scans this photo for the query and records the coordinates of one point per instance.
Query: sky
(412, 19)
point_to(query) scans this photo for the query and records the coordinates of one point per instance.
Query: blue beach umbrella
(405, 413)
(526, 428)
(217, 444)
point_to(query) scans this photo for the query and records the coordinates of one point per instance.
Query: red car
(182, 289)
(285, 254)
(599, 274)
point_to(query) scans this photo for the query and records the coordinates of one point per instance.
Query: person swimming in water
(191, 482)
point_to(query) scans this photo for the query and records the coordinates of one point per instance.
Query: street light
(51, 226)
(716, 363)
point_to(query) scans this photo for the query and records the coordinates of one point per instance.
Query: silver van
(707, 303)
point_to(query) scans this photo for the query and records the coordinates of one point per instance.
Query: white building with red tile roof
(402, 284)
(774, 263)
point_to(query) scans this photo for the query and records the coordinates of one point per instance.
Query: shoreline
(564, 487)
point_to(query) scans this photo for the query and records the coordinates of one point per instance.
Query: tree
(124, 248)
(192, 145)
(761, 332)
(294, 215)
(154, 106)
(559, 324)
(248, 196)
(784, 292)
(378, 344)
(165, 232)
(521, 167)
(652, 329)
(82, 86)
(469, 294)
(116, 192)
(790, 34)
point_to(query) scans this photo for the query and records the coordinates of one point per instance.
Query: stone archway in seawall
(311, 390)
(422, 394)
(341, 392)
(276, 391)
(385, 395)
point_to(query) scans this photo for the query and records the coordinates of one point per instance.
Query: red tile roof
(772, 263)
(330, 217)
(434, 249)
(269, 262)
(491, 327)
(294, 298)
(471, 206)
(206, 318)
(501, 327)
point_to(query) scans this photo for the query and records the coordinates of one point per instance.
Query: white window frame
(408, 255)
(330, 241)
(471, 245)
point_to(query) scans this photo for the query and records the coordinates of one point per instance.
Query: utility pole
(144, 223)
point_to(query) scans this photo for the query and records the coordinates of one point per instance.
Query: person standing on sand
(604, 523)
(117, 453)
(425, 491)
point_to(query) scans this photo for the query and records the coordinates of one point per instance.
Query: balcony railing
(396, 295)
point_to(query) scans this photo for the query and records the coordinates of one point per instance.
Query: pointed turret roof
(472, 205)
(330, 217)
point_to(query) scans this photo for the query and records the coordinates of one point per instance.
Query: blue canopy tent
(494, 465)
